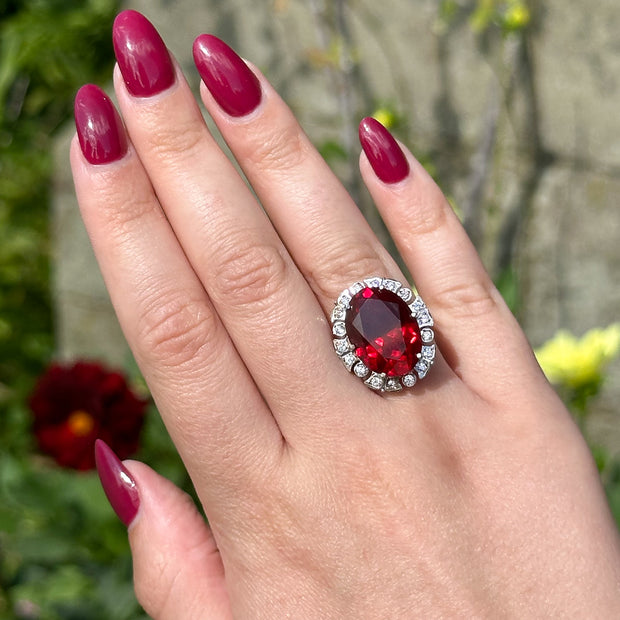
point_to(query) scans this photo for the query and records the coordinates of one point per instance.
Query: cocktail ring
(383, 333)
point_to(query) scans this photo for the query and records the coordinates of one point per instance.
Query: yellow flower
(579, 362)
(385, 116)
(517, 16)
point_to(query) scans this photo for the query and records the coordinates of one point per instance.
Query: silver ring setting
(383, 333)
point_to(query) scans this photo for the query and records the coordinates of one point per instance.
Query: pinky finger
(178, 571)
(476, 331)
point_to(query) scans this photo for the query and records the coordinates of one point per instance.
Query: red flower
(74, 405)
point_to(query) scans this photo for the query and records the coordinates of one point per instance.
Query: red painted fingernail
(99, 127)
(118, 484)
(385, 156)
(231, 82)
(142, 56)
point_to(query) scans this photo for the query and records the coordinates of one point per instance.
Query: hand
(470, 495)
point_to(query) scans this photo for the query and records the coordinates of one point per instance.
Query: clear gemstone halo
(379, 331)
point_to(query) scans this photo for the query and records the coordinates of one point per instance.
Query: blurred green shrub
(55, 526)
(48, 48)
(63, 552)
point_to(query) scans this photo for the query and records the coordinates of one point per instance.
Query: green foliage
(507, 15)
(507, 284)
(48, 48)
(63, 552)
(332, 151)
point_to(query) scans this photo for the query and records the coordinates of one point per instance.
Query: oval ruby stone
(385, 335)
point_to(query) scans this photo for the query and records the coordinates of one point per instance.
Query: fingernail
(99, 127)
(235, 88)
(118, 484)
(142, 56)
(385, 156)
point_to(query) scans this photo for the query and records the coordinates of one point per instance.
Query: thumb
(178, 571)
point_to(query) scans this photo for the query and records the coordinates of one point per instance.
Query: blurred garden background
(510, 104)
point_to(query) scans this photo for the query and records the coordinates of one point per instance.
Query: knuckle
(280, 150)
(172, 140)
(123, 220)
(468, 299)
(249, 274)
(174, 331)
(429, 216)
(121, 202)
(340, 267)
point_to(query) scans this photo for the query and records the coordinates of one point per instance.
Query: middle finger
(331, 242)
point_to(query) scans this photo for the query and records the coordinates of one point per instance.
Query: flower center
(80, 423)
(385, 335)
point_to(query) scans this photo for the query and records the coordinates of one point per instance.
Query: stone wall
(523, 133)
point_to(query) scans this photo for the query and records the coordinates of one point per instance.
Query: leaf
(332, 151)
(508, 285)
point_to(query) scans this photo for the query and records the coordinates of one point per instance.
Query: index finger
(211, 407)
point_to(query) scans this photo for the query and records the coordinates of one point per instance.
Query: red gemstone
(385, 335)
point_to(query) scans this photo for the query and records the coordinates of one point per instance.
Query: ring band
(383, 334)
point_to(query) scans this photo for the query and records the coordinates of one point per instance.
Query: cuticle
(245, 118)
(136, 517)
(157, 96)
(109, 165)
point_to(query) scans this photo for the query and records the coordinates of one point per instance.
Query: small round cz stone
(342, 346)
(339, 329)
(409, 380)
(361, 370)
(427, 334)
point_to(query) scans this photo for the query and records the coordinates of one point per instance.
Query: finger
(178, 571)
(322, 228)
(325, 232)
(263, 301)
(476, 330)
(182, 348)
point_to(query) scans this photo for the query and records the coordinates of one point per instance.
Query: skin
(472, 495)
